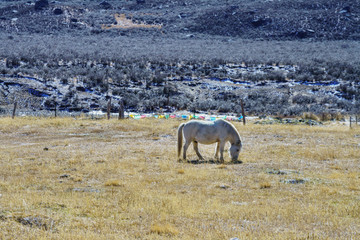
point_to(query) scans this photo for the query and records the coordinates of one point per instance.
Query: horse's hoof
(237, 162)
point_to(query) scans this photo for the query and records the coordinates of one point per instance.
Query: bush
(310, 116)
(294, 110)
(303, 99)
(225, 107)
(331, 116)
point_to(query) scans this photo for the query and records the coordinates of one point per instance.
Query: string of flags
(184, 117)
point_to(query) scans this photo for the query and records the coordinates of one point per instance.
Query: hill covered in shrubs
(270, 20)
(280, 57)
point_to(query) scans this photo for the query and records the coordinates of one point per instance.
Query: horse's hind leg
(186, 146)
(195, 143)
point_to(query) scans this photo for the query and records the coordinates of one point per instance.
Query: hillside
(272, 20)
(281, 57)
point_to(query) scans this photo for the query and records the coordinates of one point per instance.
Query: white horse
(219, 131)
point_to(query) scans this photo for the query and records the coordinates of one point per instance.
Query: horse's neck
(235, 136)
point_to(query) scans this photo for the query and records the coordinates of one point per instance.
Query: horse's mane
(229, 125)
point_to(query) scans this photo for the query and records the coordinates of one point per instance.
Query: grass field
(71, 178)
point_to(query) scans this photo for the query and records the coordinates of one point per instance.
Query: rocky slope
(278, 19)
(181, 55)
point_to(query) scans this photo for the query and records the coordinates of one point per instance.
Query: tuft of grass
(77, 179)
(222, 166)
(113, 183)
(264, 185)
(181, 171)
(354, 187)
(164, 229)
(336, 167)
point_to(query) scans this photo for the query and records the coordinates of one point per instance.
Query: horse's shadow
(211, 161)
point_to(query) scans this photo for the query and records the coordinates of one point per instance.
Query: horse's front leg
(195, 143)
(217, 150)
(222, 146)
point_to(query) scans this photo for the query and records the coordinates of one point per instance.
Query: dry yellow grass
(71, 178)
(122, 22)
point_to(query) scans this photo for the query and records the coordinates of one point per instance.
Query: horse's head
(235, 151)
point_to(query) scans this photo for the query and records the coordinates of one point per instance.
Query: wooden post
(350, 122)
(243, 111)
(55, 108)
(108, 109)
(121, 110)
(14, 110)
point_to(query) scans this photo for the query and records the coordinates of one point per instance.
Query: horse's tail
(180, 138)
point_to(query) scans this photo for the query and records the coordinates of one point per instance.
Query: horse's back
(202, 132)
(196, 125)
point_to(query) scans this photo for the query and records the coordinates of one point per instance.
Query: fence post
(242, 111)
(108, 109)
(55, 108)
(121, 110)
(14, 110)
(350, 122)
